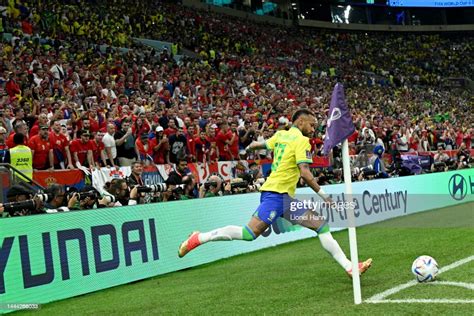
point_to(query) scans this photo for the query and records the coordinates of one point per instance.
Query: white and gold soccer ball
(425, 269)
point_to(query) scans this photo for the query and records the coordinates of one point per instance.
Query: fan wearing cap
(160, 146)
(41, 150)
(81, 150)
(19, 193)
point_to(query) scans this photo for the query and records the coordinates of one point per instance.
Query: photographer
(251, 182)
(174, 188)
(463, 156)
(211, 188)
(188, 191)
(135, 177)
(254, 170)
(176, 176)
(57, 199)
(119, 194)
(86, 199)
(14, 207)
(441, 161)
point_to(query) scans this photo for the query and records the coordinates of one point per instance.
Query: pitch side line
(379, 298)
(442, 301)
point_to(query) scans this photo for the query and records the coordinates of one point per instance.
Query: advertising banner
(54, 256)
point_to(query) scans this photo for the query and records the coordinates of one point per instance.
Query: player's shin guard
(331, 246)
(227, 233)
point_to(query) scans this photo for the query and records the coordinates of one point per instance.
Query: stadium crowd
(82, 105)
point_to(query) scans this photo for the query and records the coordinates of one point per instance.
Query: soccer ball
(425, 269)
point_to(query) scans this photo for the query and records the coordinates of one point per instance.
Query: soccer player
(292, 156)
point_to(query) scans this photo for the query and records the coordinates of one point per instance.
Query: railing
(10, 176)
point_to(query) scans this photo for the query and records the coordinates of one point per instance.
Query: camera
(153, 188)
(179, 189)
(93, 195)
(239, 185)
(257, 184)
(44, 197)
(13, 207)
(439, 166)
(209, 184)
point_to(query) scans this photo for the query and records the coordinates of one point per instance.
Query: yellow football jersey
(290, 148)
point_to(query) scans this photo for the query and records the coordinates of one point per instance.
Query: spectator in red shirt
(314, 142)
(234, 145)
(60, 146)
(12, 87)
(213, 148)
(459, 137)
(95, 121)
(161, 147)
(224, 138)
(141, 126)
(41, 150)
(172, 129)
(191, 144)
(468, 137)
(19, 127)
(98, 150)
(143, 148)
(201, 145)
(42, 120)
(81, 150)
(84, 124)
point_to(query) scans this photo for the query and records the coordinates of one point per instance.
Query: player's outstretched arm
(256, 146)
(307, 176)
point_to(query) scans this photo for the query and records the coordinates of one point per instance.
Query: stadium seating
(250, 75)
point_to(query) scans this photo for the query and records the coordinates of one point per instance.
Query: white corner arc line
(443, 301)
(469, 286)
(379, 298)
(456, 264)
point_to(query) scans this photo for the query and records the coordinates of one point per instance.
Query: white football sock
(331, 246)
(224, 233)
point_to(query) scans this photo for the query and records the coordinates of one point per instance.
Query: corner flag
(339, 128)
(339, 124)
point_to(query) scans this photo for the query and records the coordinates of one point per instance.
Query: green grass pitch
(301, 278)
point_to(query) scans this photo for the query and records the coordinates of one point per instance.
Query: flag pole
(351, 221)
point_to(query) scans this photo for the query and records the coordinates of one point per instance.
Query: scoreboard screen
(431, 3)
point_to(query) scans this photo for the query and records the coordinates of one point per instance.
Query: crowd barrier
(49, 257)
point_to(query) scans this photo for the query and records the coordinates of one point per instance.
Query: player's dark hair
(299, 113)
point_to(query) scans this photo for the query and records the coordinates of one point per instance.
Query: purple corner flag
(339, 125)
